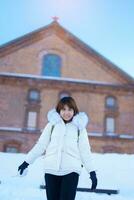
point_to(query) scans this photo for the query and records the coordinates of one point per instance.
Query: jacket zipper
(61, 148)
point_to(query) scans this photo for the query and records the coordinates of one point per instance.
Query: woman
(65, 143)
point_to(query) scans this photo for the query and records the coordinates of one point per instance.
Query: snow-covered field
(114, 171)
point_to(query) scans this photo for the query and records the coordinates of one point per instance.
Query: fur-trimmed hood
(80, 119)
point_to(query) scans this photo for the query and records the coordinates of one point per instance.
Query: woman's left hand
(94, 180)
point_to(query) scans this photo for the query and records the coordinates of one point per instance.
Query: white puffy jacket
(63, 141)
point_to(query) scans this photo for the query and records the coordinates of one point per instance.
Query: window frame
(64, 92)
(108, 133)
(33, 100)
(34, 127)
(59, 67)
(115, 106)
(12, 143)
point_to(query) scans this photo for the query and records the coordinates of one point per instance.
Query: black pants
(61, 187)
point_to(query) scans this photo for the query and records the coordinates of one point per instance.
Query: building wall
(111, 145)
(75, 64)
(126, 114)
(13, 103)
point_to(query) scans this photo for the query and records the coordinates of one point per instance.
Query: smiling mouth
(67, 117)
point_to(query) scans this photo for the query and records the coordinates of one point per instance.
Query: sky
(105, 25)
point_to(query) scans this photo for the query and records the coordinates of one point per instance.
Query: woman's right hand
(94, 180)
(22, 167)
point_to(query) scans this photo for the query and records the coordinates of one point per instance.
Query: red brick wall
(13, 103)
(75, 64)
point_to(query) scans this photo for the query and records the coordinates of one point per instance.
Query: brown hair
(70, 102)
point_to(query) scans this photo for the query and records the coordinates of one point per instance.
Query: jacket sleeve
(40, 146)
(85, 151)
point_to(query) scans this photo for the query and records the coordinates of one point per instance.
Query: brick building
(49, 63)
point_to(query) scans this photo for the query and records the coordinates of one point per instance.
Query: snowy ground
(115, 171)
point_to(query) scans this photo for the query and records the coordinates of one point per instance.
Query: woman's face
(66, 113)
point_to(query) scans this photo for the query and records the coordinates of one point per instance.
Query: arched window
(12, 146)
(34, 95)
(111, 102)
(51, 65)
(11, 149)
(64, 94)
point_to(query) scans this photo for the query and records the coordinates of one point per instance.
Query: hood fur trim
(80, 120)
(53, 117)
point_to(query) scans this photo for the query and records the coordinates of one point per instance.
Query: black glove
(22, 167)
(94, 180)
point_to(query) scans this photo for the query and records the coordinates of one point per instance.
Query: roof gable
(56, 28)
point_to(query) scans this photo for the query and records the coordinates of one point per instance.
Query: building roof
(63, 80)
(60, 31)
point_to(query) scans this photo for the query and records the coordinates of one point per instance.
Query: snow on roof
(10, 129)
(95, 134)
(124, 136)
(17, 75)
